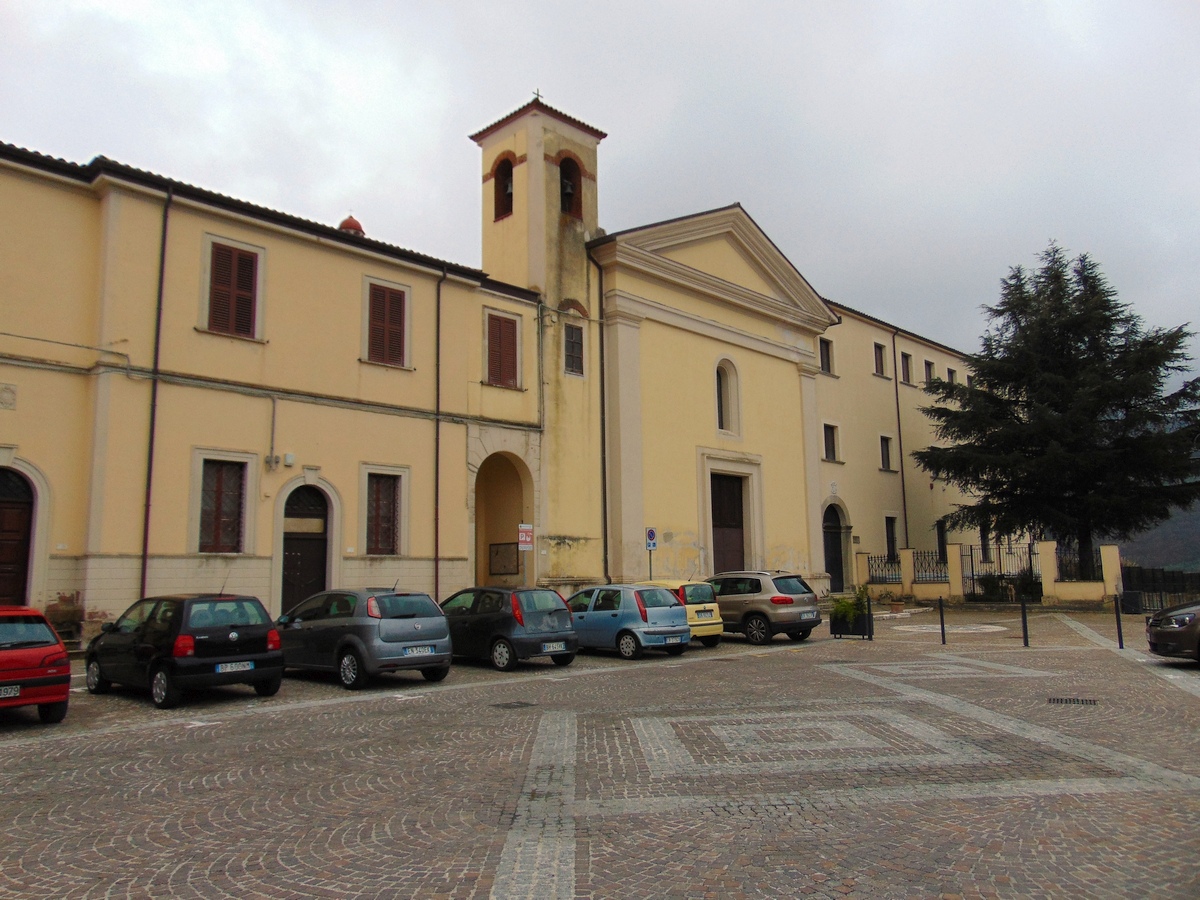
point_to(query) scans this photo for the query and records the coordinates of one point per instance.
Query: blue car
(630, 619)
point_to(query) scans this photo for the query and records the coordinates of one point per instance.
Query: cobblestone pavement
(830, 768)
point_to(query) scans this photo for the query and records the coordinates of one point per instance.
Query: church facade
(200, 394)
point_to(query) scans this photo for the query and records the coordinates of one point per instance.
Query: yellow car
(703, 613)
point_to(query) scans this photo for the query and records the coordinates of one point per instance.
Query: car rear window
(25, 631)
(655, 598)
(540, 601)
(407, 606)
(699, 593)
(223, 613)
(792, 584)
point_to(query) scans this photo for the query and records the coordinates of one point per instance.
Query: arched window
(727, 397)
(503, 184)
(571, 187)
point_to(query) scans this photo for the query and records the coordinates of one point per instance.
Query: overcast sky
(903, 155)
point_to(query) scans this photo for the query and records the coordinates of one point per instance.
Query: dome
(352, 225)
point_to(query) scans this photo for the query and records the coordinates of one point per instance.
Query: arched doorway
(16, 534)
(305, 545)
(835, 560)
(503, 501)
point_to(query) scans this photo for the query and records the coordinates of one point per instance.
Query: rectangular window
(383, 514)
(928, 371)
(831, 443)
(906, 368)
(952, 376)
(221, 500)
(233, 290)
(385, 338)
(880, 367)
(889, 528)
(502, 351)
(885, 453)
(573, 349)
(970, 381)
(826, 356)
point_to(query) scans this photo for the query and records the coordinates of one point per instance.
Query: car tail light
(185, 645)
(681, 594)
(517, 614)
(373, 608)
(54, 658)
(782, 601)
(637, 595)
(272, 639)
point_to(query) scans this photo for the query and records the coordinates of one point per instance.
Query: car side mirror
(283, 620)
(107, 627)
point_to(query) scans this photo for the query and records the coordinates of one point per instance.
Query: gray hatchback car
(360, 633)
(763, 604)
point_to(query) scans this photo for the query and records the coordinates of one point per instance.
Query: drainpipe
(900, 438)
(437, 443)
(603, 422)
(158, 316)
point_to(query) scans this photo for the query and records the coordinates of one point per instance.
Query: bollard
(1024, 623)
(1120, 636)
(870, 620)
(942, 619)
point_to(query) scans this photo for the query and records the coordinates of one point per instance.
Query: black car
(171, 644)
(1175, 631)
(506, 624)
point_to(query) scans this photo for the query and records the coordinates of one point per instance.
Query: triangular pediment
(724, 252)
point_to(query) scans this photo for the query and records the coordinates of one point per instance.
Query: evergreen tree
(1068, 425)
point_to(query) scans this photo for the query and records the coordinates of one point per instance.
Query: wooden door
(729, 534)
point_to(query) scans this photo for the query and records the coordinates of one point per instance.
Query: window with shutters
(502, 350)
(386, 324)
(383, 514)
(222, 500)
(573, 349)
(233, 294)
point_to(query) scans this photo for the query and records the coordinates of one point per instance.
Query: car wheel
(436, 674)
(758, 630)
(628, 646)
(676, 649)
(504, 657)
(563, 659)
(164, 693)
(50, 713)
(350, 671)
(270, 687)
(710, 640)
(800, 635)
(96, 683)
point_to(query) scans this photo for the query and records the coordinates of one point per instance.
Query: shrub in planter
(849, 615)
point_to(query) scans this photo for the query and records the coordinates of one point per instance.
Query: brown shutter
(220, 295)
(506, 351)
(395, 327)
(494, 339)
(233, 287)
(377, 336)
(247, 282)
(385, 340)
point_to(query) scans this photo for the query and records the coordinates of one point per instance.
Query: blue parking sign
(651, 539)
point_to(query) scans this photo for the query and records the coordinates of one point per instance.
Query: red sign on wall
(524, 537)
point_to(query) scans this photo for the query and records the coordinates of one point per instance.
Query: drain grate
(1071, 701)
(513, 704)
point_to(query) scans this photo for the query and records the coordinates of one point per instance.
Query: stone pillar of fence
(1048, 561)
(1110, 566)
(862, 569)
(908, 571)
(954, 574)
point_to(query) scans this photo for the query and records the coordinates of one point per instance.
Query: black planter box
(860, 625)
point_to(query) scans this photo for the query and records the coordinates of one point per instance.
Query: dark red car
(34, 668)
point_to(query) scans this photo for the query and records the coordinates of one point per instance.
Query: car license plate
(675, 640)
(808, 615)
(244, 666)
(425, 650)
(11, 690)
(704, 614)
(554, 646)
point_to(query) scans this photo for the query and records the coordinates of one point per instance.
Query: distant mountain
(1175, 544)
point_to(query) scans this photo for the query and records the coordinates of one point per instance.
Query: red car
(34, 668)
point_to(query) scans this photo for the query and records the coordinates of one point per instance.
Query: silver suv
(763, 604)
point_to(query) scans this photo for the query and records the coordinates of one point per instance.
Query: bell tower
(539, 200)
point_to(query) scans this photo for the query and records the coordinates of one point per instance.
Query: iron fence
(1072, 567)
(1001, 573)
(929, 566)
(883, 570)
(1149, 590)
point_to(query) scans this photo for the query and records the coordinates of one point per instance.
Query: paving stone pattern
(833, 768)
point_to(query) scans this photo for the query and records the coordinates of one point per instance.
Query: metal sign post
(651, 546)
